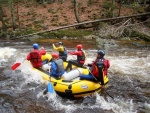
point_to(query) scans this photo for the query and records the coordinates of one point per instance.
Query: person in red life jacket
(35, 56)
(80, 58)
(57, 67)
(98, 69)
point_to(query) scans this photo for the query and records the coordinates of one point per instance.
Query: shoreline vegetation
(30, 17)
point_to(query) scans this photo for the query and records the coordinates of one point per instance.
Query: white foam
(5, 54)
(116, 105)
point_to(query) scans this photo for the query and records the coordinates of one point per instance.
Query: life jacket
(81, 58)
(106, 66)
(60, 66)
(35, 57)
(64, 53)
(100, 65)
(96, 66)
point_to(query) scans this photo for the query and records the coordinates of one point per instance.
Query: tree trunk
(2, 18)
(145, 2)
(84, 23)
(18, 19)
(76, 14)
(43, 2)
(76, 11)
(120, 4)
(113, 3)
(12, 14)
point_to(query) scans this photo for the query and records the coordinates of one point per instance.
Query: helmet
(35, 46)
(60, 43)
(101, 52)
(55, 55)
(79, 46)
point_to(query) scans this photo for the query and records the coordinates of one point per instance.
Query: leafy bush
(68, 33)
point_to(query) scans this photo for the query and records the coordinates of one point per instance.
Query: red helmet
(79, 46)
(55, 55)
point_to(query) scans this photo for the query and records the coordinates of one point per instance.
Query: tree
(77, 14)
(144, 2)
(2, 17)
(113, 3)
(18, 19)
(13, 14)
(120, 4)
(76, 11)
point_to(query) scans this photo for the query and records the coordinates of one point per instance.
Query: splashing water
(129, 85)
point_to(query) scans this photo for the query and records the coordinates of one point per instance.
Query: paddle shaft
(100, 84)
(49, 74)
(50, 85)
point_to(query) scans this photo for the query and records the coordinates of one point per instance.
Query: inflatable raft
(70, 85)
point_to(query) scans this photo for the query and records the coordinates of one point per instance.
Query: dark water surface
(129, 85)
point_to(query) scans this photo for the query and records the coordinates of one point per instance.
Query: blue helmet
(60, 43)
(35, 46)
(101, 52)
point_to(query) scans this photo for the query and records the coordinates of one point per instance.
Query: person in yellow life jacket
(98, 69)
(57, 67)
(79, 62)
(62, 51)
(35, 56)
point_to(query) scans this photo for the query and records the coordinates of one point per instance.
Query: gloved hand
(89, 65)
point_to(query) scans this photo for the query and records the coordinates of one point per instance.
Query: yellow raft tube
(70, 85)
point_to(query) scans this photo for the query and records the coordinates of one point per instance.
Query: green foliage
(30, 31)
(58, 34)
(74, 33)
(4, 1)
(62, 1)
(24, 32)
(38, 21)
(109, 8)
(108, 5)
(89, 2)
(68, 33)
(137, 8)
(2, 34)
(72, 1)
(140, 35)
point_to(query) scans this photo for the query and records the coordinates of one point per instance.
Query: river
(129, 81)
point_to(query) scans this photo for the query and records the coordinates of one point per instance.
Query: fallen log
(82, 23)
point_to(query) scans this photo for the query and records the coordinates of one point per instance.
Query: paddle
(16, 65)
(50, 88)
(100, 84)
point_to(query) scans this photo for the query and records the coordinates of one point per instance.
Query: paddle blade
(50, 88)
(14, 66)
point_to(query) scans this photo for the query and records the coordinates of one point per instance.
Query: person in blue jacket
(57, 67)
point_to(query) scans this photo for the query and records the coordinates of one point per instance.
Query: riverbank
(32, 17)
